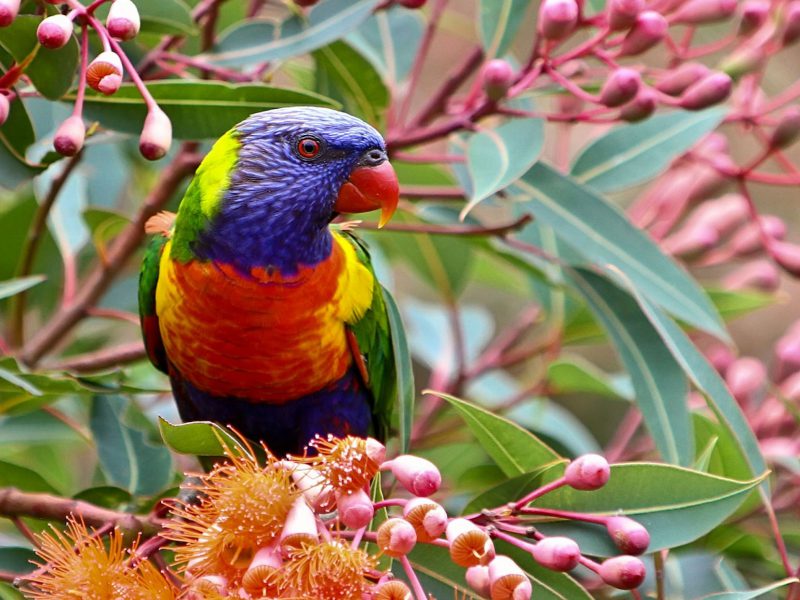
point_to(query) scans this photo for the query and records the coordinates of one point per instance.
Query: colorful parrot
(263, 316)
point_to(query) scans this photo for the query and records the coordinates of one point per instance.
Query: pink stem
(412, 578)
(538, 493)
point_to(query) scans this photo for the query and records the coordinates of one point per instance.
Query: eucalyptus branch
(16, 503)
(498, 230)
(101, 359)
(16, 331)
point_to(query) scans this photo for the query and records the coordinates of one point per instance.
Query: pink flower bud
(790, 388)
(754, 15)
(696, 12)
(787, 353)
(8, 12)
(5, 108)
(396, 537)
(648, 30)
(745, 377)
(300, 526)
(743, 61)
(628, 535)
(557, 553)
(69, 137)
(723, 214)
(478, 579)
(587, 472)
(748, 239)
(720, 357)
(412, 3)
(355, 509)
(791, 17)
(54, 32)
(557, 18)
(156, 135)
(375, 451)
(677, 80)
(469, 544)
(497, 76)
(788, 129)
(305, 2)
(623, 572)
(691, 240)
(620, 87)
(758, 274)
(787, 256)
(104, 73)
(417, 475)
(507, 581)
(641, 107)
(428, 518)
(622, 13)
(123, 20)
(710, 90)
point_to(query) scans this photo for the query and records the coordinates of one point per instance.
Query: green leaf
(735, 303)
(498, 157)
(658, 380)
(16, 560)
(675, 504)
(201, 438)
(750, 595)
(631, 154)
(167, 17)
(726, 458)
(707, 380)
(126, 453)
(16, 134)
(403, 368)
(389, 39)
(437, 573)
(567, 375)
(12, 287)
(7, 592)
(51, 71)
(255, 41)
(499, 21)
(345, 75)
(106, 496)
(509, 490)
(23, 478)
(515, 450)
(197, 109)
(603, 236)
(555, 423)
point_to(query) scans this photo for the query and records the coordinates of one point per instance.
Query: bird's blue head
(296, 169)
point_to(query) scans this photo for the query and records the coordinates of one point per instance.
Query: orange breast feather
(264, 338)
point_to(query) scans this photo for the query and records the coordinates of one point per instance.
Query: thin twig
(16, 331)
(499, 230)
(101, 359)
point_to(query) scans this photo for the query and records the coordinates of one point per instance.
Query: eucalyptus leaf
(12, 287)
(197, 109)
(405, 373)
(677, 505)
(126, 453)
(752, 594)
(200, 438)
(499, 21)
(390, 39)
(603, 236)
(631, 154)
(658, 380)
(255, 41)
(515, 450)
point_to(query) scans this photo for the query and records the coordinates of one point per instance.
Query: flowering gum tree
(576, 176)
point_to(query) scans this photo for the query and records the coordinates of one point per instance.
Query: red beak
(370, 188)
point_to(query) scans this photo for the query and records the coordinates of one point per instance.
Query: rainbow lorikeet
(263, 316)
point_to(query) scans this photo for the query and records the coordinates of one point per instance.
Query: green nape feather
(148, 280)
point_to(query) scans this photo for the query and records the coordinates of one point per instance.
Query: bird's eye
(308, 147)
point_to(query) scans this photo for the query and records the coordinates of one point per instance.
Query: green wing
(148, 279)
(381, 342)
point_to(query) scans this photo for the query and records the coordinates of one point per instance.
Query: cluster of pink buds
(104, 73)
(307, 526)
